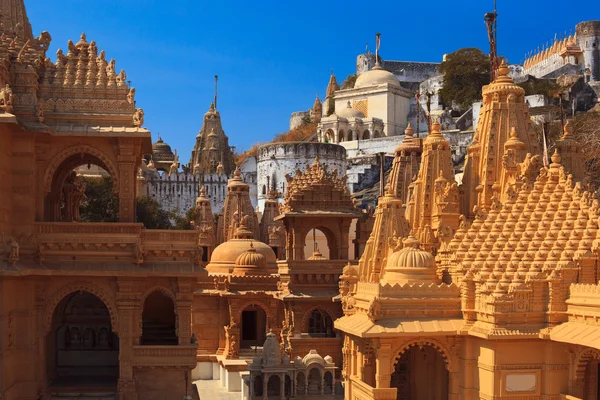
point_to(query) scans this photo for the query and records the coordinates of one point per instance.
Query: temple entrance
(81, 348)
(421, 374)
(592, 383)
(320, 324)
(254, 327)
(159, 322)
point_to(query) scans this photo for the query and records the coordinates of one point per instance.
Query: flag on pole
(545, 145)
(378, 41)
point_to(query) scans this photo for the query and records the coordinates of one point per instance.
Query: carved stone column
(265, 388)
(184, 299)
(282, 387)
(127, 298)
(383, 366)
(128, 149)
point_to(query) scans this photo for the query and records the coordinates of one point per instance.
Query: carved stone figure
(6, 99)
(13, 252)
(138, 117)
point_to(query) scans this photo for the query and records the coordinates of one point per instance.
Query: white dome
(313, 357)
(376, 76)
(349, 112)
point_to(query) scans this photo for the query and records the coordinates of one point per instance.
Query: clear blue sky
(273, 56)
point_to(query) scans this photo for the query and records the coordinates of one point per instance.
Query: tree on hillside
(546, 87)
(465, 72)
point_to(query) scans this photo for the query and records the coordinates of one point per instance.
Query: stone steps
(82, 396)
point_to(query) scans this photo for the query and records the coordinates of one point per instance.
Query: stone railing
(584, 302)
(88, 228)
(165, 356)
(362, 391)
(127, 242)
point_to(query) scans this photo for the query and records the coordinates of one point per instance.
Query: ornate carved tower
(14, 18)
(212, 150)
(504, 108)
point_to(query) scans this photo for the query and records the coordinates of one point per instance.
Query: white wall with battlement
(278, 159)
(176, 192)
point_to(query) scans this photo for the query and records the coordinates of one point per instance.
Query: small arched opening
(324, 239)
(421, 373)
(328, 381)
(81, 347)
(329, 138)
(159, 322)
(258, 386)
(82, 190)
(253, 327)
(366, 135)
(320, 324)
(341, 135)
(349, 136)
(274, 386)
(314, 382)
(288, 386)
(376, 134)
(300, 384)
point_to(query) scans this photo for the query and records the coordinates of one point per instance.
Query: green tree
(546, 87)
(149, 213)
(185, 222)
(465, 72)
(101, 204)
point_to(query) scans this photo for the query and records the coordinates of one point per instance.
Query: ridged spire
(14, 17)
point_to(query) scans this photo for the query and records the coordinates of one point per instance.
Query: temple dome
(376, 76)
(250, 262)
(410, 265)
(313, 357)
(161, 151)
(243, 255)
(349, 112)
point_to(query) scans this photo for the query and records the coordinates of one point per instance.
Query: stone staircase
(78, 395)
(157, 333)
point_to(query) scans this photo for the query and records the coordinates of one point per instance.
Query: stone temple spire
(14, 17)
(332, 86)
(504, 108)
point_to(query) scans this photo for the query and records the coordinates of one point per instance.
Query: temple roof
(540, 230)
(318, 191)
(13, 16)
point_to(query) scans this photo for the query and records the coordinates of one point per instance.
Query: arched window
(159, 320)
(264, 190)
(320, 324)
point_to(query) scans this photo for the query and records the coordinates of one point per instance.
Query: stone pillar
(265, 389)
(184, 300)
(128, 150)
(282, 387)
(127, 299)
(344, 245)
(323, 383)
(383, 366)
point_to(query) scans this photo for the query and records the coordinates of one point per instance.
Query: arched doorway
(81, 348)
(591, 385)
(421, 373)
(274, 387)
(314, 382)
(159, 322)
(320, 324)
(254, 327)
(80, 179)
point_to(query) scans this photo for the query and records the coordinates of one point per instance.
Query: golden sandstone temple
(487, 290)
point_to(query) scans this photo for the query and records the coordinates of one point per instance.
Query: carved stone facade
(506, 308)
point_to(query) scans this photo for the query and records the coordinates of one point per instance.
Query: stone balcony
(127, 243)
(183, 356)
